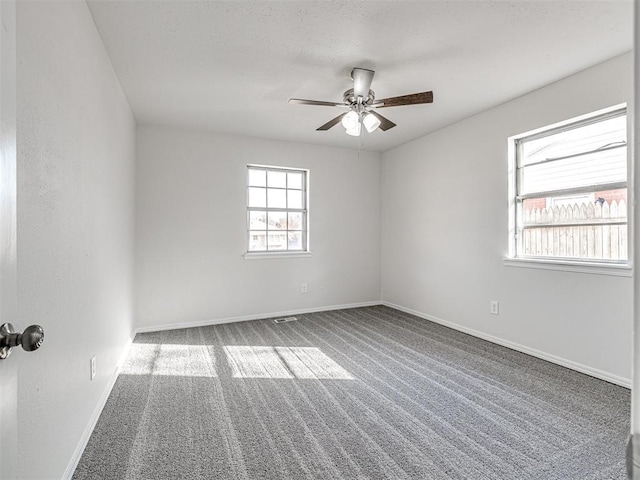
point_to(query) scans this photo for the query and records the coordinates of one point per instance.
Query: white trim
(623, 382)
(275, 254)
(257, 316)
(570, 122)
(615, 270)
(305, 199)
(82, 444)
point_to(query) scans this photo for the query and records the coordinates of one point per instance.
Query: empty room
(318, 240)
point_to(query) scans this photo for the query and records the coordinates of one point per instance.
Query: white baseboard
(82, 444)
(259, 316)
(623, 382)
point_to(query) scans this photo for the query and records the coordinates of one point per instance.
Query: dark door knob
(31, 339)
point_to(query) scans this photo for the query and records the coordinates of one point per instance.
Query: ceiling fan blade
(332, 122)
(300, 101)
(412, 99)
(385, 123)
(362, 79)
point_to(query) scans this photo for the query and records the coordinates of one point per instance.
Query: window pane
(257, 220)
(295, 240)
(584, 170)
(596, 207)
(257, 197)
(586, 217)
(277, 241)
(277, 220)
(585, 226)
(257, 178)
(588, 242)
(276, 209)
(592, 153)
(294, 198)
(294, 180)
(276, 198)
(276, 179)
(585, 138)
(295, 221)
(257, 241)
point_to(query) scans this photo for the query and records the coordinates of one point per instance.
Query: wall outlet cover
(494, 307)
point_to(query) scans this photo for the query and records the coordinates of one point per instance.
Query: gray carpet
(367, 393)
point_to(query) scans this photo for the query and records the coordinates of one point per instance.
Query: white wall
(445, 234)
(191, 229)
(76, 149)
(76, 159)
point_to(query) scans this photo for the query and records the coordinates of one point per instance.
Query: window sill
(263, 255)
(616, 270)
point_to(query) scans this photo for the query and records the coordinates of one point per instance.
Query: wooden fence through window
(594, 231)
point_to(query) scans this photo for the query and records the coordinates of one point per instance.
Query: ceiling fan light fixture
(370, 122)
(350, 120)
(355, 130)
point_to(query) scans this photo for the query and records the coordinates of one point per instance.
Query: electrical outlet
(303, 288)
(495, 307)
(93, 367)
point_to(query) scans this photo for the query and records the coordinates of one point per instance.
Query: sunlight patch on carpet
(169, 359)
(282, 362)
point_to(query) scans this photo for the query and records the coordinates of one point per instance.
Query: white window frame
(596, 266)
(304, 251)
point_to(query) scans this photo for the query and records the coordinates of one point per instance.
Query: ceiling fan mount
(361, 104)
(350, 98)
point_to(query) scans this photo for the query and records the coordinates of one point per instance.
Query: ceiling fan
(361, 105)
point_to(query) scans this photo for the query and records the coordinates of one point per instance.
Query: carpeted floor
(367, 393)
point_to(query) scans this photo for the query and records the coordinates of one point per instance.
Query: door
(633, 451)
(8, 297)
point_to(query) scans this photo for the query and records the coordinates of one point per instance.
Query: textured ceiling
(232, 66)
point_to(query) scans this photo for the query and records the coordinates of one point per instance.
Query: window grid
(575, 206)
(276, 210)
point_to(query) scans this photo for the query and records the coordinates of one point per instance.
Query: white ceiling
(231, 66)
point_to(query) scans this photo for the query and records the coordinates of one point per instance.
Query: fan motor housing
(351, 99)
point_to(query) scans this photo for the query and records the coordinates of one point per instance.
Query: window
(276, 209)
(569, 187)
